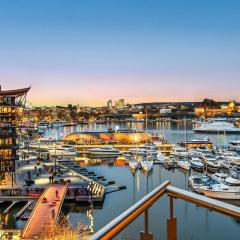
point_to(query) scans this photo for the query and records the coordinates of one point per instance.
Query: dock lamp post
(90, 211)
(55, 157)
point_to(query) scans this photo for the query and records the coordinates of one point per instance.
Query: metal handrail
(213, 204)
(128, 216)
(123, 220)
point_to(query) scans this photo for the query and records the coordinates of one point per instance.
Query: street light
(90, 212)
(55, 157)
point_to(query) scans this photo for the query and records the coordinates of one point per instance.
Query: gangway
(44, 217)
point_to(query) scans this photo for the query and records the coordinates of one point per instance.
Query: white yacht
(196, 164)
(200, 182)
(145, 150)
(229, 189)
(62, 152)
(219, 177)
(183, 163)
(107, 151)
(68, 148)
(211, 163)
(168, 162)
(199, 152)
(57, 123)
(160, 157)
(232, 157)
(45, 142)
(179, 152)
(134, 165)
(217, 127)
(224, 162)
(147, 165)
(235, 145)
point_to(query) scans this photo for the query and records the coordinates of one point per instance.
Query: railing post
(171, 223)
(146, 235)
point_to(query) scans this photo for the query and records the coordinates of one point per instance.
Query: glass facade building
(10, 101)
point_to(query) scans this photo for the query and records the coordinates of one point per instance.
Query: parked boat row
(218, 185)
(145, 165)
(205, 159)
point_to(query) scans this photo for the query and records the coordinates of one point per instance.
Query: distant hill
(210, 103)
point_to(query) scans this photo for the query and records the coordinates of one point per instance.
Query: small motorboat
(222, 191)
(180, 152)
(197, 164)
(212, 164)
(147, 165)
(107, 151)
(160, 157)
(183, 163)
(198, 183)
(219, 177)
(168, 163)
(134, 165)
(229, 188)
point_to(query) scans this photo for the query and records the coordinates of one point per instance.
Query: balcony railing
(122, 221)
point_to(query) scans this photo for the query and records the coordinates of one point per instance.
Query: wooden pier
(97, 190)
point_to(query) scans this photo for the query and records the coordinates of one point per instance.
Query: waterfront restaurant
(110, 136)
(10, 101)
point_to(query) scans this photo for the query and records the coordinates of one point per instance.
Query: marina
(116, 167)
(119, 120)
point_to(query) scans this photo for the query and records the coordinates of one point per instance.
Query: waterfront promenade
(44, 216)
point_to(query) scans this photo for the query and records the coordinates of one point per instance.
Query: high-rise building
(119, 103)
(109, 104)
(10, 102)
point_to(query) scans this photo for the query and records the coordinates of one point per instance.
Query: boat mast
(146, 120)
(185, 130)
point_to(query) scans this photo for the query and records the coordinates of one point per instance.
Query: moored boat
(198, 182)
(211, 164)
(229, 189)
(217, 127)
(197, 164)
(147, 165)
(184, 164)
(134, 165)
(180, 152)
(107, 151)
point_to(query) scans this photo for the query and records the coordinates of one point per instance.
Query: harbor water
(193, 222)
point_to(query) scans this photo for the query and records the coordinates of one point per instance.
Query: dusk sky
(86, 52)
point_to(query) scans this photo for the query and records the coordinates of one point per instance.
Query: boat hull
(146, 168)
(217, 131)
(197, 168)
(221, 194)
(134, 166)
(99, 154)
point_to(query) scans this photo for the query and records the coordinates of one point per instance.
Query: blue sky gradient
(85, 51)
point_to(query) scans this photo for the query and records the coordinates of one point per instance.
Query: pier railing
(122, 221)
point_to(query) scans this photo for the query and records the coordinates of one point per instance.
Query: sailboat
(146, 165)
(184, 163)
(134, 165)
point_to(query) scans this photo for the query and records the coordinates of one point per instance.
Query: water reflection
(173, 131)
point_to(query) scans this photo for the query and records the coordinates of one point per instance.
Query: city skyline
(86, 52)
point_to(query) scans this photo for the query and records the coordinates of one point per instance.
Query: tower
(10, 102)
